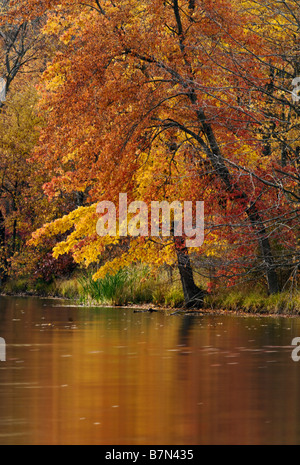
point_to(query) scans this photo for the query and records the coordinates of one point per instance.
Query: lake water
(109, 376)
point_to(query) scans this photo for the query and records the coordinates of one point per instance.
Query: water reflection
(111, 376)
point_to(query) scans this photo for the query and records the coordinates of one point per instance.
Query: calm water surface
(111, 376)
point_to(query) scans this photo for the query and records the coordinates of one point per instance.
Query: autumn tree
(19, 44)
(277, 126)
(162, 100)
(23, 204)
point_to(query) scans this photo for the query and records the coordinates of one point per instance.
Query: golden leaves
(128, 96)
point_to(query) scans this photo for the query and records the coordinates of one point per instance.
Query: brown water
(111, 376)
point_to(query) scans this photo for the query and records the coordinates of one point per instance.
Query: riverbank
(134, 286)
(256, 302)
(138, 292)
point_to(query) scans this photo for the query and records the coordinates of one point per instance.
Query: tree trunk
(3, 273)
(14, 237)
(265, 248)
(2, 230)
(193, 295)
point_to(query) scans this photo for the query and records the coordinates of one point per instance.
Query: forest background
(192, 100)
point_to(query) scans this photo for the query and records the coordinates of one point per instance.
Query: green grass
(68, 289)
(19, 286)
(107, 290)
(134, 285)
(125, 287)
(23, 286)
(255, 301)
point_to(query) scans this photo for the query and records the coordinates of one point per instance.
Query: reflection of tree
(188, 322)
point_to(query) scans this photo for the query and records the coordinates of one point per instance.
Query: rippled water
(74, 375)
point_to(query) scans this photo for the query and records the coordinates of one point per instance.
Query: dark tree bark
(193, 295)
(265, 248)
(2, 230)
(3, 274)
(192, 4)
(14, 237)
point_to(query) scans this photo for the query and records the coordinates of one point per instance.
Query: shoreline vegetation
(126, 129)
(136, 288)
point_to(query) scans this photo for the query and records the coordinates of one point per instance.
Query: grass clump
(107, 290)
(68, 289)
(174, 296)
(23, 286)
(255, 301)
(18, 286)
(134, 285)
(284, 303)
(126, 286)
